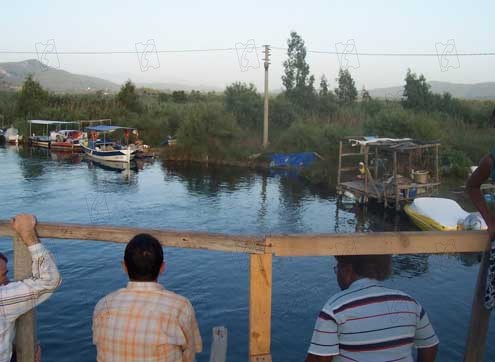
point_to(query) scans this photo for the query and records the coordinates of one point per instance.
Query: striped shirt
(368, 322)
(145, 322)
(17, 298)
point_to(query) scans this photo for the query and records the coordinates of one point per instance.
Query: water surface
(68, 189)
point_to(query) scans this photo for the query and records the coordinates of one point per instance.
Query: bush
(404, 124)
(208, 130)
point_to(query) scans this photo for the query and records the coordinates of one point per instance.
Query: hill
(458, 90)
(12, 76)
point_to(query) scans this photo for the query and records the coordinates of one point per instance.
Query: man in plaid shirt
(144, 322)
(19, 297)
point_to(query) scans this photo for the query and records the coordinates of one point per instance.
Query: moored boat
(441, 214)
(107, 150)
(46, 140)
(11, 135)
(67, 140)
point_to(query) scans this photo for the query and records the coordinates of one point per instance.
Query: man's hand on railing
(25, 226)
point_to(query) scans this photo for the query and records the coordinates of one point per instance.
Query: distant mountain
(169, 87)
(458, 90)
(12, 76)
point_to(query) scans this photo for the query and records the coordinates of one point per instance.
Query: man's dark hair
(377, 267)
(143, 258)
(3, 257)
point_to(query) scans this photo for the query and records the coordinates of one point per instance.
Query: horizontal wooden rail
(406, 242)
(409, 242)
(186, 239)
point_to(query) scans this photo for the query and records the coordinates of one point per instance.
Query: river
(228, 200)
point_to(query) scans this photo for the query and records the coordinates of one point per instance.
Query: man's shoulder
(370, 291)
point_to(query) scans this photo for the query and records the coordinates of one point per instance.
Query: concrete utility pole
(265, 113)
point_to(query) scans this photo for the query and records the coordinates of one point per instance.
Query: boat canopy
(37, 121)
(106, 128)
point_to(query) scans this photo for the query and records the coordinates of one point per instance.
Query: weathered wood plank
(25, 333)
(424, 242)
(195, 240)
(219, 345)
(480, 317)
(260, 306)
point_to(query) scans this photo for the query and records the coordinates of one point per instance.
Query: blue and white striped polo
(369, 322)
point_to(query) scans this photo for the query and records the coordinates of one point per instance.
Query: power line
(111, 52)
(329, 52)
(404, 54)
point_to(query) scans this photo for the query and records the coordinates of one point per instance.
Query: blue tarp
(303, 159)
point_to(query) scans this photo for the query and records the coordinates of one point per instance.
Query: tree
(298, 83)
(245, 103)
(327, 102)
(323, 86)
(128, 97)
(179, 96)
(346, 91)
(417, 94)
(32, 98)
(365, 95)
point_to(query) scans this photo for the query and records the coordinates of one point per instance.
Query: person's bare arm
(427, 354)
(314, 358)
(473, 188)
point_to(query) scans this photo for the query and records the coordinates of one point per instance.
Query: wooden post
(437, 170)
(25, 325)
(480, 317)
(219, 345)
(396, 184)
(376, 163)
(366, 174)
(260, 304)
(340, 164)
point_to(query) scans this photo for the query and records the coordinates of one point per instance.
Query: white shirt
(17, 298)
(369, 322)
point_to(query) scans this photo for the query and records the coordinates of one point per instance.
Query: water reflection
(209, 181)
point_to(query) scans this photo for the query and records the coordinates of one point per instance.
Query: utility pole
(265, 112)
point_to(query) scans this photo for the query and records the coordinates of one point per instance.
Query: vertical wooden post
(396, 184)
(260, 307)
(25, 325)
(366, 174)
(376, 163)
(340, 164)
(437, 169)
(480, 317)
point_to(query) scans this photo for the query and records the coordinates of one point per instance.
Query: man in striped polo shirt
(368, 322)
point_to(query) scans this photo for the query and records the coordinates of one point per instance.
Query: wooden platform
(382, 192)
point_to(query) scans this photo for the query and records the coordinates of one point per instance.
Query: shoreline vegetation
(226, 128)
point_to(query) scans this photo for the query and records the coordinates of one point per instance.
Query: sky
(349, 28)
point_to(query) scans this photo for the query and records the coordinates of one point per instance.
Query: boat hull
(14, 140)
(424, 222)
(110, 156)
(65, 146)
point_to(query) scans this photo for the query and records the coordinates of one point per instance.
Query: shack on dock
(388, 170)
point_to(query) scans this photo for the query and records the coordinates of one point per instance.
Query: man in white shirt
(367, 321)
(19, 297)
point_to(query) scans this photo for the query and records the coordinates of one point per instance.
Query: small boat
(440, 214)
(11, 135)
(66, 140)
(45, 141)
(105, 150)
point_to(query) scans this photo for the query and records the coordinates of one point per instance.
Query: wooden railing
(261, 250)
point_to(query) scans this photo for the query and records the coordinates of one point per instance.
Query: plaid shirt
(145, 322)
(19, 297)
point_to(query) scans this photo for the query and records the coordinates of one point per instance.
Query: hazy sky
(378, 26)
